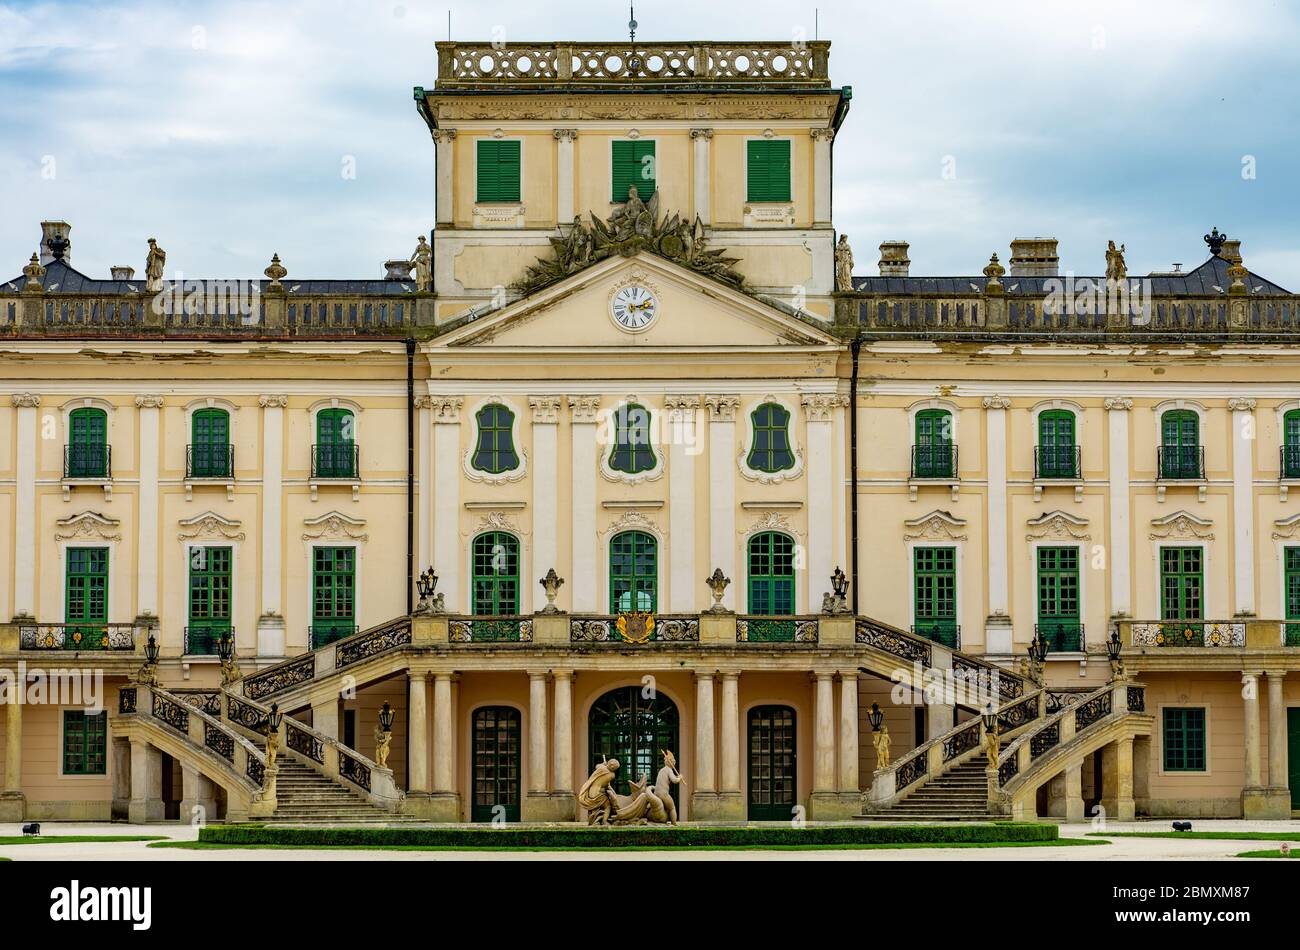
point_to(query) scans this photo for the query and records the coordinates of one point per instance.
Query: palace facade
(685, 482)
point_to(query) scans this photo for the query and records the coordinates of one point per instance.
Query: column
(270, 623)
(417, 735)
(818, 413)
(11, 795)
(562, 777)
(824, 734)
(446, 498)
(1074, 794)
(146, 783)
(1277, 731)
(683, 582)
(444, 780)
(546, 425)
(198, 797)
(998, 634)
(1124, 805)
(701, 190)
(444, 140)
(582, 584)
(822, 139)
(1243, 504)
(1117, 550)
(722, 491)
(564, 207)
(1250, 710)
(537, 733)
(147, 540)
(849, 733)
(729, 739)
(424, 480)
(704, 754)
(25, 406)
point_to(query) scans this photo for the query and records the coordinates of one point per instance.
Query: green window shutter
(1184, 739)
(335, 444)
(85, 743)
(934, 455)
(935, 593)
(768, 171)
(633, 163)
(1180, 444)
(498, 171)
(633, 572)
(1182, 584)
(209, 599)
(334, 585)
(771, 574)
(771, 449)
(1056, 448)
(495, 557)
(1058, 597)
(632, 452)
(495, 452)
(210, 444)
(88, 443)
(86, 598)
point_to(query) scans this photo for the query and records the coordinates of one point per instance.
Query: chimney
(894, 261)
(54, 242)
(1231, 252)
(1034, 257)
(121, 272)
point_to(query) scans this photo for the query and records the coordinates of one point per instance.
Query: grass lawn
(1208, 835)
(211, 846)
(1267, 854)
(79, 839)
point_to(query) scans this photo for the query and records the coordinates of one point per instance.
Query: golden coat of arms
(637, 626)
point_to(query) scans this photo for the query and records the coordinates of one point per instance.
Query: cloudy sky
(223, 128)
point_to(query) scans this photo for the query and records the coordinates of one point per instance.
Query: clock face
(633, 307)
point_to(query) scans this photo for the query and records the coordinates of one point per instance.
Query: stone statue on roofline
(1116, 269)
(422, 261)
(843, 264)
(153, 267)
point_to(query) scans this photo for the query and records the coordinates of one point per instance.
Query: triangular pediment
(691, 310)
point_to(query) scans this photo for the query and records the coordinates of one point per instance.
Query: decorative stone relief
(706, 134)
(496, 521)
(148, 402)
(936, 526)
(722, 408)
(632, 521)
(1181, 524)
(1118, 403)
(444, 135)
(334, 526)
(26, 401)
(210, 526)
(584, 408)
(273, 402)
(997, 402)
(1286, 528)
(423, 402)
(771, 521)
(1057, 525)
(564, 135)
(1241, 404)
(446, 409)
(546, 409)
(819, 407)
(89, 525)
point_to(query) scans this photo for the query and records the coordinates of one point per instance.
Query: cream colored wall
(367, 704)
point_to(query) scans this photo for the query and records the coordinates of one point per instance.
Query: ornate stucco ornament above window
(1181, 524)
(772, 521)
(90, 525)
(26, 401)
(1054, 525)
(636, 226)
(1286, 528)
(936, 526)
(632, 521)
(334, 526)
(496, 521)
(210, 526)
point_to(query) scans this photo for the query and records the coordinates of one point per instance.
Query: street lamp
(990, 718)
(427, 583)
(274, 718)
(1114, 645)
(151, 651)
(1038, 648)
(386, 716)
(225, 647)
(875, 717)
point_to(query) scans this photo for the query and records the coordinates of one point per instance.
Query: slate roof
(60, 277)
(1199, 282)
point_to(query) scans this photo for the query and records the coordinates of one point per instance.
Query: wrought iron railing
(208, 700)
(209, 461)
(77, 636)
(336, 461)
(683, 628)
(127, 697)
(219, 742)
(201, 638)
(1189, 633)
(946, 632)
(490, 630)
(911, 771)
(372, 642)
(1137, 699)
(173, 714)
(88, 461)
(278, 678)
(934, 461)
(1291, 634)
(1289, 461)
(1092, 711)
(325, 632)
(776, 629)
(353, 769)
(1049, 737)
(1180, 461)
(959, 743)
(251, 717)
(1061, 636)
(1057, 461)
(987, 679)
(303, 742)
(905, 646)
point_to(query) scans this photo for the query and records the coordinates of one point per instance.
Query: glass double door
(773, 778)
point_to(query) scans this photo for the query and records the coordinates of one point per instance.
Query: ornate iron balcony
(335, 461)
(209, 461)
(327, 631)
(1290, 461)
(1057, 461)
(201, 638)
(934, 461)
(77, 636)
(1180, 461)
(946, 632)
(87, 461)
(1062, 637)
(1189, 633)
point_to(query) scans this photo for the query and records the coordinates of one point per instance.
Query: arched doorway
(496, 764)
(636, 729)
(773, 778)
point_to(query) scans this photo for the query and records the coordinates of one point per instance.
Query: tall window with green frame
(1180, 444)
(771, 449)
(632, 452)
(1183, 738)
(334, 594)
(1058, 598)
(934, 572)
(87, 444)
(767, 166)
(633, 163)
(771, 574)
(1182, 584)
(1057, 453)
(209, 600)
(633, 572)
(1291, 444)
(495, 451)
(86, 598)
(498, 171)
(933, 450)
(495, 557)
(1291, 582)
(85, 742)
(335, 444)
(210, 444)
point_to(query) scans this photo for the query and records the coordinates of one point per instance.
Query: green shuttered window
(85, 743)
(1184, 739)
(498, 171)
(768, 165)
(633, 164)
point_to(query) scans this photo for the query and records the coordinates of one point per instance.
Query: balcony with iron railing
(341, 461)
(939, 630)
(324, 632)
(1057, 462)
(1180, 462)
(210, 462)
(934, 461)
(1061, 636)
(1289, 461)
(201, 636)
(94, 637)
(88, 462)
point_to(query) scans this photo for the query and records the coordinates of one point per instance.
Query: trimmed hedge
(677, 836)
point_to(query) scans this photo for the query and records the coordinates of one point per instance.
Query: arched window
(633, 572)
(1180, 444)
(632, 452)
(934, 455)
(771, 449)
(636, 729)
(496, 574)
(88, 452)
(210, 455)
(336, 448)
(495, 452)
(771, 574)
(1057, 452)
(1291, 444)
